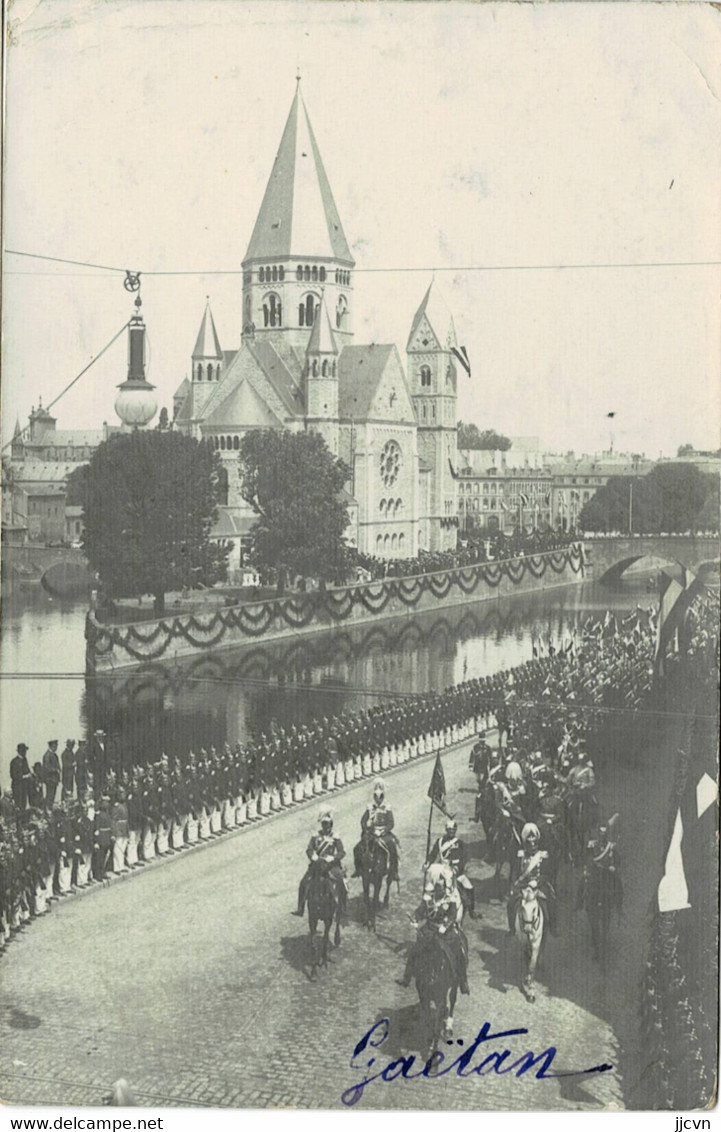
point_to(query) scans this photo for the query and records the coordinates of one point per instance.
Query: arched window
(341, 311)
(306, 311)
(200, 372)
(324, 367)
(217, 372)
(223, 487)
(261, 275)
(399, 505)
(425, 376)
(386, 542)
(222, 443)
(433, 409)
(314, 274)
(401, 542)
(306, 273)
(299, 273)
(275, 275)
(315, 367)
(322, 274)
(424, 410)
(379, 544)
(394, 542)
(210, 372)
(236, 443)
(333, 368)
(271, 310)
(337, 274)
(382, 506)
(281, 273)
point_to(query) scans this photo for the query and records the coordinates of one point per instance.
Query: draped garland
(323, 607)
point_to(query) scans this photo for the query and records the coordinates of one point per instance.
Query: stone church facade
(298, 367)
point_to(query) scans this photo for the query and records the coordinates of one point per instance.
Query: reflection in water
(230, 695)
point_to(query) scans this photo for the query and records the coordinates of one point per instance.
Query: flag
(437, 788)
(689, 867)
(524, 499)
(666, 624)
(462, 356)
(610, 625)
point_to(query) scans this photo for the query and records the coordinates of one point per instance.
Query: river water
(234, 694)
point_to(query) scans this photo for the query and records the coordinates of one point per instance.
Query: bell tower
(432, 377)
(298, 250)
(206, 362)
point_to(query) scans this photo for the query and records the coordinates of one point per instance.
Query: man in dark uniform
(327, 848)
(436, 919)
(20, 774)
(67, 760)
(51, 772)
(448, 849)
(378, 821)
(81, 769)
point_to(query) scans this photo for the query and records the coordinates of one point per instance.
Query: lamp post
(136, 403)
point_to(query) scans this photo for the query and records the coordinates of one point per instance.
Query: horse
(324, 905)
(437, 985)
(530, 925)
(600, 893)
(582, 812)
(504, 845)
(375, 868)
(551, 821)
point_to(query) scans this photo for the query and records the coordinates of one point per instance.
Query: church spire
(322, 338)
(207, 345)
(298, 216)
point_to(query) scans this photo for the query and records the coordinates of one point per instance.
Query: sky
(141, 134)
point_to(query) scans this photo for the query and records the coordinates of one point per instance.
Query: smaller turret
(321, 378)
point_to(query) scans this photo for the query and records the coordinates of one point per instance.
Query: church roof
(360, 369)
(437, 314)
(298, 216)
(183, 389)
(279, 375)
(242, 408)
(207, 344)
(75, 438)
(322, 338)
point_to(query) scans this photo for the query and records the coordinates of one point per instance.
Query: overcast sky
(142, 134)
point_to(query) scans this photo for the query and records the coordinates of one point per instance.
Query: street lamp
(136, 403)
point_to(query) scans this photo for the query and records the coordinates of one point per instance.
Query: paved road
(190, 979)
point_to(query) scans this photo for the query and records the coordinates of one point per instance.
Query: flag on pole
(437, 788)
(689, 867)
(462, 356)
(523, 498)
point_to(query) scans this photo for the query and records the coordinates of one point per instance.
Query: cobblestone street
(191, 979)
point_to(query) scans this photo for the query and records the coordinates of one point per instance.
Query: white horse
(530, 925)
(440, 871)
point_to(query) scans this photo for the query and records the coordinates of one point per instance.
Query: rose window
(390, 462)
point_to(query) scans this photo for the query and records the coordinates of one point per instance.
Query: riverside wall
(112, 647)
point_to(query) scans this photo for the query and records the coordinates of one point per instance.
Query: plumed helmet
(379, 786)
(438, 874)
(325, 815)
(451, 824)
(514, 773)
(530, 830)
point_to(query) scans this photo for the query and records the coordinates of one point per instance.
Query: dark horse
(600, 893)
(437, 985)
(375, 868)
(324, 905)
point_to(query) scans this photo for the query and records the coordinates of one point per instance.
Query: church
(298, 367)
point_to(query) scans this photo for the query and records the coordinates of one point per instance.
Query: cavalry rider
(603, 854)
(324, 846)
(436, 920)
(377, 821)
(532, 865)
(448, 849)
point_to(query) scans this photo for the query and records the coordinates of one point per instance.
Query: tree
(75, 486)
(470, 436)
(163, 422)
(685, 450)
(150, 502)
(293, 483)
(670, 498)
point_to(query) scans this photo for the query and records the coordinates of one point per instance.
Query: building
(298, 367)
(504, 491)
(576, 480)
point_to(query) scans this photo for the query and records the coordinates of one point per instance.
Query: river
(234, 694)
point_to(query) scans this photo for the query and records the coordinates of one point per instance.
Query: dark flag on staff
(462, 356)
(437, 788)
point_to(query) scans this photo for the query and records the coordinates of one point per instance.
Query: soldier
(378, 821)
(448, 849)
(120, 829)
(103, 840)
(51, 772)
(532, 865)
(327, 847)
(20, 776)
(436, 919)
(67, 760)
(81, 769)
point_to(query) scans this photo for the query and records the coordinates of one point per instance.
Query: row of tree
(670, 498)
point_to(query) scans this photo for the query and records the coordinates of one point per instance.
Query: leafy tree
(150, 502)
(470, 436)
(670, 498)
(163, 422)
(75, 486)
(685, 450)
(293, 483)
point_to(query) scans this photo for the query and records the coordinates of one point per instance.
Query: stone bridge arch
(608, 557)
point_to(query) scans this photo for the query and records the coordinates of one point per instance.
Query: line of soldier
(124, 818)
(480, 548)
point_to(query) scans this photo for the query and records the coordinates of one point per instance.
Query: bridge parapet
(608, 556)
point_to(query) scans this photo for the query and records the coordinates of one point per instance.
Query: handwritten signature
(439, 1065)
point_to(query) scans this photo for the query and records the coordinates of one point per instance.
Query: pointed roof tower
(207, 344)
(322, 338)
(438, 319)
(298, 216)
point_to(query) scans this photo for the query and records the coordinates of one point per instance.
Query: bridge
(608, 556)
(60, 569)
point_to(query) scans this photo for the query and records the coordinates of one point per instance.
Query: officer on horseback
(436, 920)
(327, 848)
(377, 821)
(448, 849)
(532, 865)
